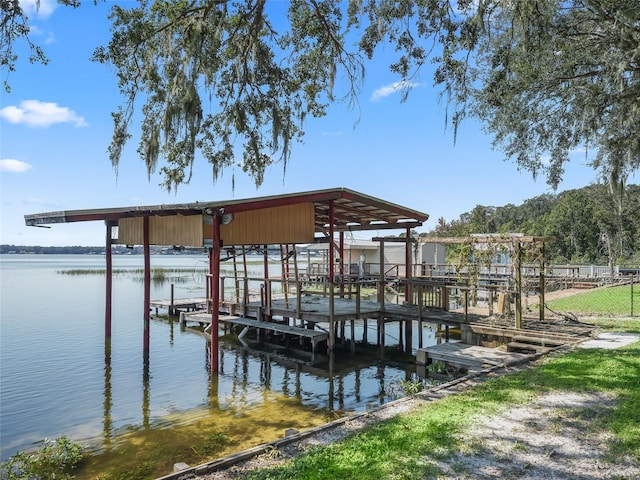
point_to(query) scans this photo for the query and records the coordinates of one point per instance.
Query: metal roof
(351, 210)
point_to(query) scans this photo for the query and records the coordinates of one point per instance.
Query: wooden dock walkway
(469, 356)
(322, 320)
(301, 316)
(315, 336)
(177, 304)
(318, 309)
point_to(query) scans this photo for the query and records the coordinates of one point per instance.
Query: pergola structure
(298, 218)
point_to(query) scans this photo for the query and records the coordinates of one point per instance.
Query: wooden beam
(488, 238)
(371, 226)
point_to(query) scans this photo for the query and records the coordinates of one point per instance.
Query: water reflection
(146, 379)
(161, 407)
(254, 398)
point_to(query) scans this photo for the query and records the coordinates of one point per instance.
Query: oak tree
(235, 81)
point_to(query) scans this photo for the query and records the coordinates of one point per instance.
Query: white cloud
(41, 114)
(48, 37)
(13, 165)
(43, 10)
(387, 90)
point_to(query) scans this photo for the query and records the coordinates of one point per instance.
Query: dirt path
(551, 438)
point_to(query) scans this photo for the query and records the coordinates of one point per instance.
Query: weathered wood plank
(205, 318)
(467, 355)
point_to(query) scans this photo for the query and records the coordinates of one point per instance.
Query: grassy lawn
(397, 449)
(614, 301)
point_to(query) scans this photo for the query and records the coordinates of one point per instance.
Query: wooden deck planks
(461, 354)
(179, 303)
(316, 309)
(205, 318)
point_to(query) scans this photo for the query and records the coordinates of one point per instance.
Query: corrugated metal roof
(351, 210)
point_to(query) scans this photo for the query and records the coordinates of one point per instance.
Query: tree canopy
(15, 25)
(235, 81)
(586, 224)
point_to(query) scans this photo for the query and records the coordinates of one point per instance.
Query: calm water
(54, 379)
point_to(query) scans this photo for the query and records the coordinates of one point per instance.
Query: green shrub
(54, 461)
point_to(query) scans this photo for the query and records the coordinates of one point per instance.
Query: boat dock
(329, 319)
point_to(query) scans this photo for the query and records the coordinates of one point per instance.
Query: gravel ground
(553, 437)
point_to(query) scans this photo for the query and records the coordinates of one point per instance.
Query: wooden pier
(329, 319)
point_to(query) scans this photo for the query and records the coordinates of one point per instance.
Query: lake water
(54, 379)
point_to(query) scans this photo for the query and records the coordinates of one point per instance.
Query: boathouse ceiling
(277, 219)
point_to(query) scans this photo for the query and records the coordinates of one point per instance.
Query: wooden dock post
(108, 280)
(381, 277)
(147, 288)
(341, 265)
(332, 332)
(517, 266)
(172, 308)
(267, 286)
(381, 334)
(541, 288)
(465, 297)
(353, 321)
(408, 326)
(214, 270)
(420, 293)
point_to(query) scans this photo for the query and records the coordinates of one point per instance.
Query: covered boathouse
(321, 216)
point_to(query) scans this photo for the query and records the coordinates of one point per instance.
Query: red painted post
(408, 295)
(331, 250)
(381, 277)
(147, 286)
(267, 285)
(108, 282)
(341, 266)
(332, 333)
(214, 270)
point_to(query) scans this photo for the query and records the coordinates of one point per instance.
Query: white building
(362, 257)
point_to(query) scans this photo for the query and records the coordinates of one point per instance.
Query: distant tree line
(76, 249)
(81, 250)
(593, 224)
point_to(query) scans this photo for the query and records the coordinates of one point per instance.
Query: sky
(55, 127)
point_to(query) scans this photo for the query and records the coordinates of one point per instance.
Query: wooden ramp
(463, 355)
(316, 336)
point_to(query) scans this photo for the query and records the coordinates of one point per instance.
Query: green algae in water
(197, 437)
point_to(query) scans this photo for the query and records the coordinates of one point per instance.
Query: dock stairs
(531, 343)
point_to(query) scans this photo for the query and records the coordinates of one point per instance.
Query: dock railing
(424, 292)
